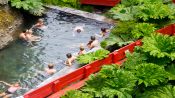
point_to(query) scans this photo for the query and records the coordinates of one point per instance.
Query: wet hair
(103, 29)
(40, 20)
(69, 55)
(24, 31)
(50, 66)
(93, 38)
(81, 48)
(78, 30)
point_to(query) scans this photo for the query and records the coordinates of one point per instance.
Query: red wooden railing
(100, 2)
(76, 79)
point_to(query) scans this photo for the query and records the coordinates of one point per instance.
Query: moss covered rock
(9, 22)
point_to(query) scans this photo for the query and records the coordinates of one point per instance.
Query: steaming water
(20, 62)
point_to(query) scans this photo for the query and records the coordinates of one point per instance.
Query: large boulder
(10, 20)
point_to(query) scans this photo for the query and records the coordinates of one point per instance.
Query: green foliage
(142, 29)
(154, 11)
(133, 60)
(90, 57)
(35, 7)
(68, 3)
(76, 94)
(171, 69)
(123, 30)
(121, 12)
(167, 91)
(160, 46)
(111, 82)
(150, 74)
(138, 2)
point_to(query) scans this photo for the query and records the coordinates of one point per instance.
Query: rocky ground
(10, 21)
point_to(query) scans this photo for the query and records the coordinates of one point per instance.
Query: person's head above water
(78, 30)
(93, 38)
(40, 20)
(104, 29)
(16, 84)
(69, 55)
(81, 48)
(50, 66)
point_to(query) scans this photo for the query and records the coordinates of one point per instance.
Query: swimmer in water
(69, 60)
(11, 90)
(92, 43)
(22, 35)
(78, 29)
(104, 31)
(82, 51)
(32, 38)
(50, 69)
(39, 24)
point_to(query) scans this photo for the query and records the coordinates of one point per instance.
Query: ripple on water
(20, 62)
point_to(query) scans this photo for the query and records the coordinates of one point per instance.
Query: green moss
(5, 19)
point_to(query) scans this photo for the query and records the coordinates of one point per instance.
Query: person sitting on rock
(11, 90)
(92, 43)
(50, 69)
(69, 60)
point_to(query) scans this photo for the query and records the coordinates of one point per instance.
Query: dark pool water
(20, 62)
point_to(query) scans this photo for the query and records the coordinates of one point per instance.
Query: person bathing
(50, 69)
(92, 43)
(70, 59)
(11, 90)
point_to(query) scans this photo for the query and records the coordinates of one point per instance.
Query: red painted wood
(100, 2)
(77, 85)
(169, 30)
(173, 1)
(68, 79)
(41, 92)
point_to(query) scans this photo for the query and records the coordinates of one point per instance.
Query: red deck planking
(100, 2)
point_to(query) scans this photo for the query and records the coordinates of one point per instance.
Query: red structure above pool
(100, 2)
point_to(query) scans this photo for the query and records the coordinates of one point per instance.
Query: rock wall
(10, 21)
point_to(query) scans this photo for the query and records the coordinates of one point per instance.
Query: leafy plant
(160, 46)
(76, 94)
(142, 29)
(152, 11)
(111, 82)
(134, 59)
(167, 91)
(67, 3)
(121, 12)
(35, 7)
(90, 57)
(150, 74)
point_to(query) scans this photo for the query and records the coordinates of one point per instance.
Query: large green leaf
(90, 57)
(111, 82)
(160, 46)
(150, 74)
(76, 94)
(167, 91)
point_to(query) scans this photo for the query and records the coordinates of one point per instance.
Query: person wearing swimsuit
(11, 90)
